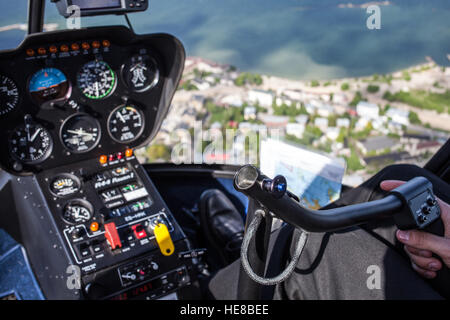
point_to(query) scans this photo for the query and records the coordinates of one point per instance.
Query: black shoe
(222, 224)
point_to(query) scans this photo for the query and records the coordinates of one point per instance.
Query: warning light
(103, 159)
(94, 226)
(53, 49)
(106, 43)
(128, 153)
(119, 155)
(30, 52)
(64, 48)
(85, 46)
(112, 157)
(75, 46)
(42, 51)
(96, 44)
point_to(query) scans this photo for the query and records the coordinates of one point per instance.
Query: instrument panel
(68, 96)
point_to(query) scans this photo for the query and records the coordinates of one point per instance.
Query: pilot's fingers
(388, 185)
(426, 263)
(426, 241)
(424, 273)
(445, 216)
(418, 252)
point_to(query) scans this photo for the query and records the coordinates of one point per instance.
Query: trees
(315, 83)
(158, 152)
(345, 86)
(353, 162)
(414, 118)
(248, 78)
(372, 88)
(356, 99)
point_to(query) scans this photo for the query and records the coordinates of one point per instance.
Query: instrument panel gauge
(30, 143)
(96, 80)
(126, 123)
(140, 73)
(9, 95)
(65, 185)
(49, 84)
(80, 133)
(77, 211)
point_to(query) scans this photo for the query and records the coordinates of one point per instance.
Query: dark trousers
(364, 262)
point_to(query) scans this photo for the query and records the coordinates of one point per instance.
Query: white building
(295, 129)
(293, 94)
(249, 113)
(321, 123)
(263, 98)
(302, 119)
(367, 110)
(232, 100)
(325, 110)
(339, 98)
(332, 133)
(343, 123)
(310, 108)
(200, 84)
(361, 124)
(399, 116)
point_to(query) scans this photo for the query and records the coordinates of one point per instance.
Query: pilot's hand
(420, 245)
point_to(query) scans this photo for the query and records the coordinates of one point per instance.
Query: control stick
(412, 206)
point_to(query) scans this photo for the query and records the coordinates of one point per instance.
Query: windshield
(365, 84)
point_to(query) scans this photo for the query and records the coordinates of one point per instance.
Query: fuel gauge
(65, 185)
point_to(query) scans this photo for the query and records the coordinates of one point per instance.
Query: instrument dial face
(140, 73)
(49, 84)
(80, 133)
(30, 143)
(126, 123)
(65, 185)
(77, 211)
(96, 80)
(9, 95)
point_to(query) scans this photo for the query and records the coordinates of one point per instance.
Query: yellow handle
(163, 239)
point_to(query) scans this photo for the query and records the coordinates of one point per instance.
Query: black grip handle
(442, 281)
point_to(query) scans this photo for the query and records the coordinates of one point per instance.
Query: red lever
(112, 236)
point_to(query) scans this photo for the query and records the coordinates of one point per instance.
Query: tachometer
(80, 133)
(49, 84)
(77, 211)
(9, 95)
(96, 80)
(30, 143)
(126, 123)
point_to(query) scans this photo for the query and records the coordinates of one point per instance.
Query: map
(315, 178)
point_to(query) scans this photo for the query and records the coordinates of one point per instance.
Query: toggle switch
(163, 239)
(139, 231)
(112, 235)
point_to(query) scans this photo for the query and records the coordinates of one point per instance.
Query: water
(301, 39)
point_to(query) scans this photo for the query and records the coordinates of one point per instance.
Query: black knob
(76, 233)
(277, 186)
(421, 218)
(431, 201)
(426, 209)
